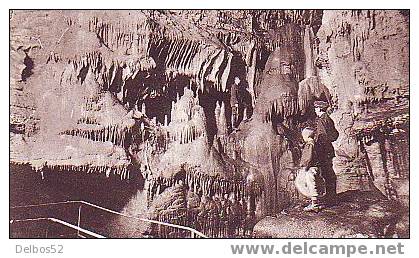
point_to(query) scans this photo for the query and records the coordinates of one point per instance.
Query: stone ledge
(357, 214)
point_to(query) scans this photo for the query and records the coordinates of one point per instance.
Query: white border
(189, 248)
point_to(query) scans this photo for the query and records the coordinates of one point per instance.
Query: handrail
(79, 229)
(194, 231)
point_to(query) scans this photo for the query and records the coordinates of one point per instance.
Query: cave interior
(131, 110)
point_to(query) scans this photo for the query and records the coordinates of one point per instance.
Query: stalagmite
(223, 120)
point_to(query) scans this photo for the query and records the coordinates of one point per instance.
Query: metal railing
(192, 232)
(61, 222)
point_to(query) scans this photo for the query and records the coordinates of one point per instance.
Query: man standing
(326, 133)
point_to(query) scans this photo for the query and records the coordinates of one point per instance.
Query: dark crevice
(27, 71)
(83, 73)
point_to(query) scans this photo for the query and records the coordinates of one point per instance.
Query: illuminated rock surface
(143, 97)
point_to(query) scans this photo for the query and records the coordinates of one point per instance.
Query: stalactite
(309, 89)
(113, 133)
(308, 52)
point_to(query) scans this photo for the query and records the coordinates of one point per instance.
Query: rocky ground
(356, 214)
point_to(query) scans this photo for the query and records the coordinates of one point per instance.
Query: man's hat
(321, 104)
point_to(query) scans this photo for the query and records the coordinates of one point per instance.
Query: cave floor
(355, 214)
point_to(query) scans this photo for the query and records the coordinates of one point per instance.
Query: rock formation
(144, 95)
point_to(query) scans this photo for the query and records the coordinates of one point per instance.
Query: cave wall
(92, 58)
(364, 60)
(364, 56)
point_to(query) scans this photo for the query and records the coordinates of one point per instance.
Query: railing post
(161, 226)
(78, 221)
(46, 231)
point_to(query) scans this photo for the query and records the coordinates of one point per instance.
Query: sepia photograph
(209, 123)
